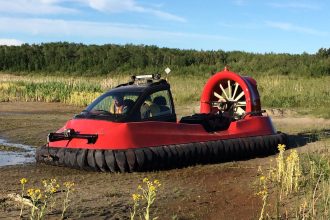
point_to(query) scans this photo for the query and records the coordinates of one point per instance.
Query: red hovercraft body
(147, 136)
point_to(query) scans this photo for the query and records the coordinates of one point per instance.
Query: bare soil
(215, 191)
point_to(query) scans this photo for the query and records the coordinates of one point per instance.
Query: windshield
(113, 103)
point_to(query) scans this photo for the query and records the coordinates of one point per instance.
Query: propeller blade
(218, 96)
(239, 96)
(235, 90)
(229, 89)
(241, 103)
(223, 91)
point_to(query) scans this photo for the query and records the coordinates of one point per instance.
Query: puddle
(16, 153)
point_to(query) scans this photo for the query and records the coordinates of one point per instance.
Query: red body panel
(112, 135)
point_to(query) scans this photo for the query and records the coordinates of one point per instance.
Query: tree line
(80, 59)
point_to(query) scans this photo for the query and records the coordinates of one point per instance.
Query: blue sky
(246, 25)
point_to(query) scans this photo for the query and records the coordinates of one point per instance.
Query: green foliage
(90, 60)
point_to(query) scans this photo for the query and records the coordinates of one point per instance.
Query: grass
(297, 187)
(306, 94)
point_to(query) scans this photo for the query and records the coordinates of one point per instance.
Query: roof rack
(145, 79)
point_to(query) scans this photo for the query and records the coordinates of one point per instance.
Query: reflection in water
(24, 154)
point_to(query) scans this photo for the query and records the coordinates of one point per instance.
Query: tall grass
(288, 91)
(75, 91)
(275, 91)
(297, 187)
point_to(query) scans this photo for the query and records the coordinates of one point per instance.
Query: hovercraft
(134, 127)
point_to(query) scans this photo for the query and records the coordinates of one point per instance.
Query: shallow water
(14, 158)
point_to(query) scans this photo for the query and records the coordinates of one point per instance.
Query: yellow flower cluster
(286, 175)
(293, 156)
(50, 186)
(262, 178)
(262, 193)
(281, 147)
(149, 183)
(148, 194)
(23, 181)
(293, 171)
(69, 185)
(35, 194)
(136, 197)
(43, 199)
(280, 170)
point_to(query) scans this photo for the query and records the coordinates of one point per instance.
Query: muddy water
(17, 154)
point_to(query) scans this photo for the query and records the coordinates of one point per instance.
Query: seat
(162, 104)
(128, 103)
(149, 109)
(211, 122)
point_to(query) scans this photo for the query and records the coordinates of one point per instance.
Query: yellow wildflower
(262, 193)
(136, 196)
(152, 188)
(69, 185)
(156, 182)
(262, 178)
(37, 194)
(281, 147)
(145, 179)
(23, 181)
(30, 192)
(53, 190)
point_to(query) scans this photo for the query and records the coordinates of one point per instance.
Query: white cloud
(34, 7)
(10, 42)
(111, 6)
(61, 30)
(296, 5)
(286, 26)
(167, 16)
(44, 7)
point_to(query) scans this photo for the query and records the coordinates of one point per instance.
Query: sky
(258, 26)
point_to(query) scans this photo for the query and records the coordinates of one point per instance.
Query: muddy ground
(215, 191)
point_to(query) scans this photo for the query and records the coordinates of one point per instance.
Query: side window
(157, 104)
